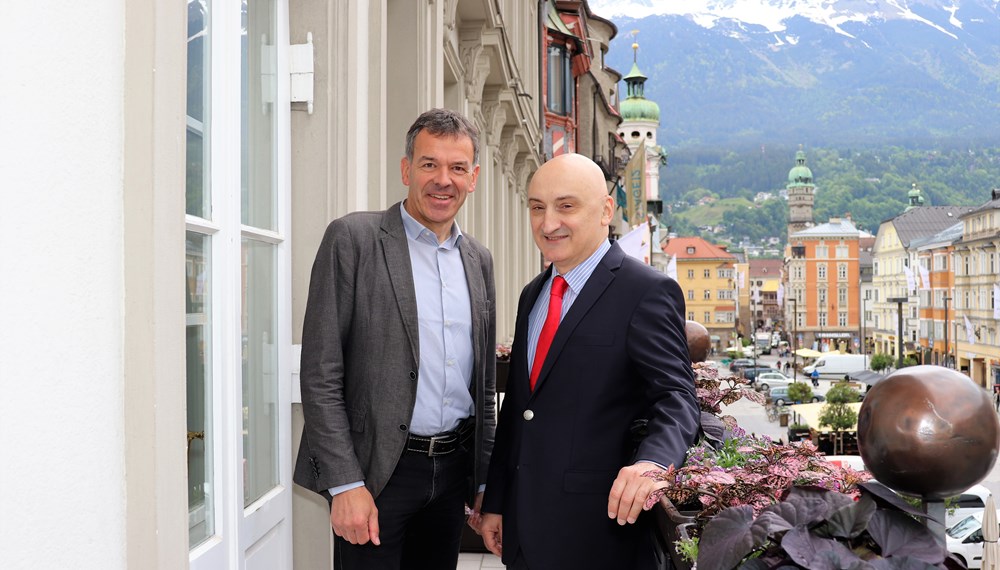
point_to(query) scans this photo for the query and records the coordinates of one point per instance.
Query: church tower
(801, 193)
(640, 120)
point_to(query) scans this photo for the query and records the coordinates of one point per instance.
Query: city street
(753, 419)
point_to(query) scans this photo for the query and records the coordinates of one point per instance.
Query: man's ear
(404, 170)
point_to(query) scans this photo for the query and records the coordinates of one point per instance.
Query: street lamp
(899, 328)
(947, 352)
(795, 338)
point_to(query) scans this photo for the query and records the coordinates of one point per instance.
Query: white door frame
(262, 530)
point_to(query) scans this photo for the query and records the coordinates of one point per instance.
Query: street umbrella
(991, 533)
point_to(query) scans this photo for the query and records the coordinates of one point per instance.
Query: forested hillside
(870, 185)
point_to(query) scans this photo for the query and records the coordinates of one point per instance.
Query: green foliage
(837, 417)
(688, 549)
(869, 184)
(842, 393)
(909, 361)
(799, 392)
(880, 361)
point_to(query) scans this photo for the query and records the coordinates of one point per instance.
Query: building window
(690, 250)
(842, 252)
(822, 252)
(707, 295)
(707, 273)
(690, 294)
(560, 81)
(690, 315)
(821, 271)
(842, 272)
(842, 295)
(821, 299)
(842, 319)
(708, 317)
(822, 318)
(690, 273)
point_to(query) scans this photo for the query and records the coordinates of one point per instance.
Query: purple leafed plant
(759, 504)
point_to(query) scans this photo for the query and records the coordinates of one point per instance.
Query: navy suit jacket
(619, 355)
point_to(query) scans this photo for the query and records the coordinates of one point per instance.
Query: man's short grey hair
(443, 122)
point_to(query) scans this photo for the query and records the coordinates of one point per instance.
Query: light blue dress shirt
(575, 278)
(444, 316)
(444, 311)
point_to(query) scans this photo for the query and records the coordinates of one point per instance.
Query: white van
(835, 366)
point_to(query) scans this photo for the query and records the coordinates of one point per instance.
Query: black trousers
(421, 513)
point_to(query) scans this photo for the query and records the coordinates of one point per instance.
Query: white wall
(61, 249)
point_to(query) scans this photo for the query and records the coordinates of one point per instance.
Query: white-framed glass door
(238, 286)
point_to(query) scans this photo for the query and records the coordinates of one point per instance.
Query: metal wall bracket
(300, 70)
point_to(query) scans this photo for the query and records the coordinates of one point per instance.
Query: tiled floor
(467, 561)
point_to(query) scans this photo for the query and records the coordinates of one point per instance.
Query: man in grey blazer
(398, 363)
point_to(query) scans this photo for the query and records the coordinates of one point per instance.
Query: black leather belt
(442, 443)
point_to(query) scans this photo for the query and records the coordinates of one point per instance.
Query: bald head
(572, 171)
(570, 210)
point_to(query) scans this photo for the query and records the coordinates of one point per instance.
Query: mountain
(816, 72)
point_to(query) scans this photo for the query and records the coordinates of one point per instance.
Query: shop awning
(866, 376)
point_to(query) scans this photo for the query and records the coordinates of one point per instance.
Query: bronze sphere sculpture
(928, 431)
(698, 340)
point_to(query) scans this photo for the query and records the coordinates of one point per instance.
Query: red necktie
(549, 328)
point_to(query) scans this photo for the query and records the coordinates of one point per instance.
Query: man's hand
(354, 516)
(629, 492)
(492, 531)
(475, 519)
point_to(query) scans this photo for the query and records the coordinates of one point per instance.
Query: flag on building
(970, 333)
(756, 296)
(925, 278)
(996, 301)
(635, 184)
(781, 294)
(672, 268)
(636, 243)
(622, 200)
(911, 281)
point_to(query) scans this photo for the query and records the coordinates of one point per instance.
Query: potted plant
(744, 501)
(798, 432)
(837, 415)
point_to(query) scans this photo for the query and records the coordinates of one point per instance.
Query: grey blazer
(360, 354)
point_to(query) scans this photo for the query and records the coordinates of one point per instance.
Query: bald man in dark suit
(599, 345)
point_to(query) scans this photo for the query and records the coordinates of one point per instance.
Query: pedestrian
(815, 377)
(600, 342)
(787, 367)
(397, 368)
(778, 365)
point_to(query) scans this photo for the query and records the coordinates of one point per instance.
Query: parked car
(965, 540)
(739, 363)
(767, 380)
(751, 372)
(779, 395)
(970, 502)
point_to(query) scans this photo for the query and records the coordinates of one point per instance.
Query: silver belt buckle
(430, 447)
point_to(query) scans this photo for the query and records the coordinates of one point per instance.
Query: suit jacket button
(402, 427)
(413, 375)
(528, 415)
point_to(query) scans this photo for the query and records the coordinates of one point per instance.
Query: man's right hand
(354, 516)
(492, 530)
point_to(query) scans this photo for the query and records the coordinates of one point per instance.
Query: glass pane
(199, 389)
(260, 379)
(198, 70)
(259, 91)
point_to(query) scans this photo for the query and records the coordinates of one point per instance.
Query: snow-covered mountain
(815, 70)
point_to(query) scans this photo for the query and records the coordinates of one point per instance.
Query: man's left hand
(475, 519)
(629, 492)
